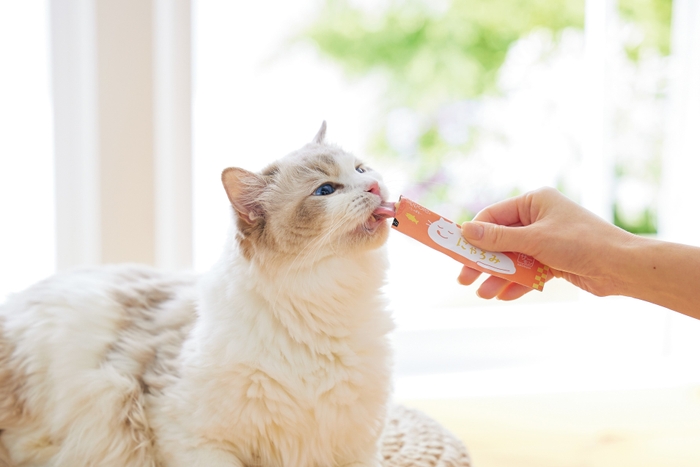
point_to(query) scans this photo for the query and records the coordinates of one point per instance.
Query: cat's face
(315, 202)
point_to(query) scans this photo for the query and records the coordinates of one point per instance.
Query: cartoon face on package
(449, 236)
(443, 235)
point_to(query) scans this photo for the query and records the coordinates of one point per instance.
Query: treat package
(445, 236)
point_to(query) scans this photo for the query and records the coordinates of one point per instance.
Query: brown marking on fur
(322, 170)
(157, 315)
(271, 170)
(12, 382)
(324, 164)
(4, 455)
(248, 236)
(13, 410)
(136, 423)
(148, 344)
(139, 301)
(307, 214)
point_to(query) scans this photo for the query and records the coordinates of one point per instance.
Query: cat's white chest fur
(288, 372)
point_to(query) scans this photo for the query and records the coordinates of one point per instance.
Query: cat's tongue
(385, 210)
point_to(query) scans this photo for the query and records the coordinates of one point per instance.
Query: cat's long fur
(276, 357)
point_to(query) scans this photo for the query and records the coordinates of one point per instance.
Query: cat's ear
(321, 135)
(244, 190)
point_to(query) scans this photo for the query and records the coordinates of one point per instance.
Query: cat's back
(85, 317)
(87, 342)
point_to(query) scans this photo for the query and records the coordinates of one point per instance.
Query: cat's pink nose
(374, 188)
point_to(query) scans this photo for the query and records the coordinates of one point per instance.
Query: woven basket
(412, 439)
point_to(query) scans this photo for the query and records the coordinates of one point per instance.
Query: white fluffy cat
(277, 357)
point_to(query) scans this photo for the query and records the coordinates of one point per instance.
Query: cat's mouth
(386, 210)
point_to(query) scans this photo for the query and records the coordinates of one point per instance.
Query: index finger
(504, 212)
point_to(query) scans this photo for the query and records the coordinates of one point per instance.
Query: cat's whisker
(336, 223)
(335, 226)
(300, 255)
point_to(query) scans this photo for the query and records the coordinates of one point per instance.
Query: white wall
(27, 243)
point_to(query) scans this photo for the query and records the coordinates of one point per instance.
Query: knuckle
(497, 234)
(544, 192)
(552, 194)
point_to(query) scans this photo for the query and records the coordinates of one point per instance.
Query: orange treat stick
(445, 236)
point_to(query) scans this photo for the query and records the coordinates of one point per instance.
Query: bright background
(459, 104)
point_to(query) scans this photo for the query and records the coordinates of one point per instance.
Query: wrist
(626, 263)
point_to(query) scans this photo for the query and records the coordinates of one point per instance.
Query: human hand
(576, 244)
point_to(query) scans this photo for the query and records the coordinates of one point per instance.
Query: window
(259, 94)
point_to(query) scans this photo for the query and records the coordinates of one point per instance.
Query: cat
(278, 356)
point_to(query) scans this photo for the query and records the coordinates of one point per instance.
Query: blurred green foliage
(435, 55)
(645, 226)
(434, 52)
(653, 18)
(455, 52)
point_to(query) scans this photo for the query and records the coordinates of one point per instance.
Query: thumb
(496, 237)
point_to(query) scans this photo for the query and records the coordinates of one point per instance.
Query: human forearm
(664, 273)
(586, 251)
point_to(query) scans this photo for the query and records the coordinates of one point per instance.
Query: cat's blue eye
(360, 169)
(324, 190)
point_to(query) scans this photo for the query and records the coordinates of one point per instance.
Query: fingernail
(473, 230)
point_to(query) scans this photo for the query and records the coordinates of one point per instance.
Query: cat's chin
(375, 225)
(371, 225)
(371, 234)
